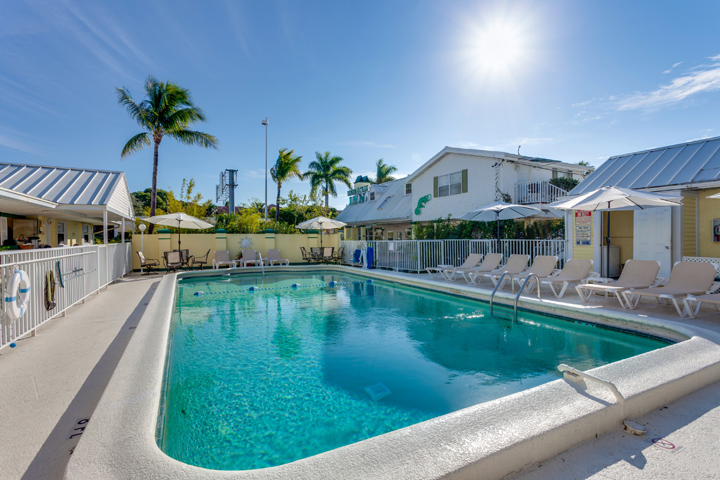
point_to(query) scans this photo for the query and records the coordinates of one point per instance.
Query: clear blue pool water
(258, 379)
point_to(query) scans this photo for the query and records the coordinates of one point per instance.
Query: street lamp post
(142, 228)
(265, 122)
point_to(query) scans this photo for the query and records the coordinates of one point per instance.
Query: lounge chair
(222, 257)
(490, 262)
(686, 278)
(635, 274)
(273, 257)
(199, 262)
(543, 266)
(575, 270)
(515, 265)
(173, 261)
(148, 264)
(248, 257)
(712, 299)
(471, 261)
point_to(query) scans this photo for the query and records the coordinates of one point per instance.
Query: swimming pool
(265, 377)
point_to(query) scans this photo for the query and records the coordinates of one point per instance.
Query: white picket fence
(84, 270)
(417, 255)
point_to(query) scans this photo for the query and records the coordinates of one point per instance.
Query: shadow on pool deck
(51, 460)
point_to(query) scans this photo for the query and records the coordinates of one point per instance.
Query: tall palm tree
(166, 110)
(286, 167)
(384, 171)
(324, 172)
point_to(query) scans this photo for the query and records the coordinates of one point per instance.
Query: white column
(105, 227)
(122, 231)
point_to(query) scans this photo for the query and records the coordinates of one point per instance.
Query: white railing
(417, 255)
(84, 269)
(537, 192)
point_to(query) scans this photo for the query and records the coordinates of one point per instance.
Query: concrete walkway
(51, 383)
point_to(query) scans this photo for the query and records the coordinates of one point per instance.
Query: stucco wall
(709, 209)
(582, 251)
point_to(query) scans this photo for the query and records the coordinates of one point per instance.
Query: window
(384, 202)
(450, 184)
(399, 235)
(408, 188)
(554, 173)
(372, 196)
(86, 233)
(61, 232)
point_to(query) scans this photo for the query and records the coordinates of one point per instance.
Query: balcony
(527, 193)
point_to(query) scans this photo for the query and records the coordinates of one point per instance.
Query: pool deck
(52, 381)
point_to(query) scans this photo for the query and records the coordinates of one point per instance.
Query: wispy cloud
(530, 141)
(675, 65)
(701, 79)
(361, 143)
(14, 140)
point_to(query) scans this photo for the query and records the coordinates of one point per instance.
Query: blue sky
(397, 80)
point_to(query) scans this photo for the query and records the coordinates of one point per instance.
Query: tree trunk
(327, 195)
(277, 204)
(153, 194)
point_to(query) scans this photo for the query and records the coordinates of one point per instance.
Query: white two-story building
(450, 184)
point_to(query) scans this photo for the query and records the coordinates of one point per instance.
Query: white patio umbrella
(178, 220)
(496, 211)
(320, 223)
(615, 198)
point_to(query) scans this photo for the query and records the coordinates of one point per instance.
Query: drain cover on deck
(378, 391)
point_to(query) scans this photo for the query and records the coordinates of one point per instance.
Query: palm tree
(325, 171)
(286, 167)
(384, 171)
(166, 110)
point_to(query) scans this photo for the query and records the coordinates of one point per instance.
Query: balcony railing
(536, 192)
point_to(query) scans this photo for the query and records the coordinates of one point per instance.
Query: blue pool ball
(295, 285)
(369, 281)
(333, 283)
(251, 289)
(197, 294)
(13, 345)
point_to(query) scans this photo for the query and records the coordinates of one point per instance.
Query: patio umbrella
(500, 211)
(320, 223)
(178, 220)
(615, 198)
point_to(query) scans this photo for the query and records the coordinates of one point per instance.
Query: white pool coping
(488, 440)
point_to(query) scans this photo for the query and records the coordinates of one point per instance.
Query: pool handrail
(522, 289)
(497, 285)
(574, 374)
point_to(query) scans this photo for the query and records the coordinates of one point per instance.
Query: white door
(652, 237)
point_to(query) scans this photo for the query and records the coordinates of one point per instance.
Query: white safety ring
(18, 295)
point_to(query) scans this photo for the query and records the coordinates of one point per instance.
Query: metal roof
(68, 186)
(683, 164)
(390, 205)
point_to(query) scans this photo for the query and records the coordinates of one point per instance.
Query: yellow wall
(690, 226)
(73, 231)
(621, 233)
(198, 244)
(583, 251)
(709, 209)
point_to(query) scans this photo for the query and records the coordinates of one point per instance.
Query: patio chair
(490, 262)
(222, 257)
(148, 264)
(635, 274)
(543, 266)
(327, 255)
(249, 256)
(575, 270)
(515, 265)
(173, 261)
(686, 278)
(713, 299)
(338, 255)
(307, 256)
(446, 270)
(317, 254)
(273, 257)
(199, 262)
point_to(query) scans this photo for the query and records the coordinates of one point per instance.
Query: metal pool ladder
(517, 297)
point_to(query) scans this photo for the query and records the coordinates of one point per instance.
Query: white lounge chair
(712, 299)
(222, 257)
(273, 257)
(515, 265)
(686, 278)
(489, 263)
(471, 261)
(635, 274)
(575, 270)
(248, 257)
(543, 266)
